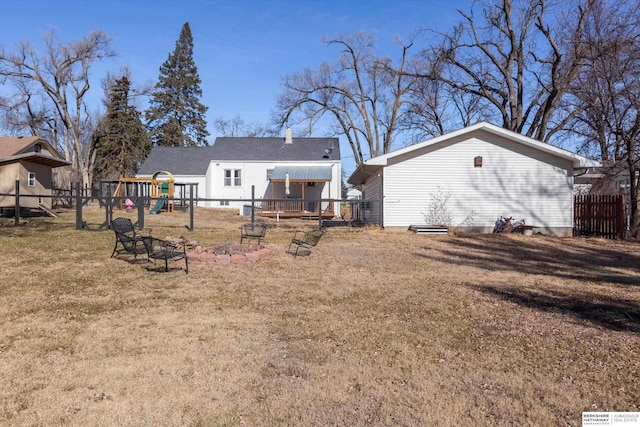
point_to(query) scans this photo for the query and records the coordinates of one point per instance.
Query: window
(269, 174)
(236, 174)
(32, 179)
(477, 162)
(37, 148)
(224, 203)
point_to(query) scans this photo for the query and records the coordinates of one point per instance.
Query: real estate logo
(629, 419)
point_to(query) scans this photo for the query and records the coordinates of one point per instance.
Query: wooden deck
(291, 209)
(290, 214)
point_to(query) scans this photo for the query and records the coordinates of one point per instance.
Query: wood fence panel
(599, 215)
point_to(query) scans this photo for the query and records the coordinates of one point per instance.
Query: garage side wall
(513, 181)
(371, 194)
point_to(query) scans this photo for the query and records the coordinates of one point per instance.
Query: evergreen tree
(122, 142)
(176, 116)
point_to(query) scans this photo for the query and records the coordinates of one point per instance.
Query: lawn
(373, 328)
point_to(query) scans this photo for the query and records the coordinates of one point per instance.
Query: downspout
(585, 171)
(333, 208)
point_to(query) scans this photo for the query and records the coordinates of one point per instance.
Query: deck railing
(292, 206)
(282, 206)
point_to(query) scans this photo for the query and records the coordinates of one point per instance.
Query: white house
(472, 177)
(297, 170)
(353, 193)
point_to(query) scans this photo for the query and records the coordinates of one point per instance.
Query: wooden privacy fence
(599, 215)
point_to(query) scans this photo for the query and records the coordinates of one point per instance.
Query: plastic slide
(159, 205)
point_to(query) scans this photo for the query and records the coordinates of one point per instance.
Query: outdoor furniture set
(301, 239)
(136, 242)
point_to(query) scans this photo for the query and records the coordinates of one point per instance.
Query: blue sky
(242, 48)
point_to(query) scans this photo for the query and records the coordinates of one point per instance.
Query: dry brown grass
(374, 328)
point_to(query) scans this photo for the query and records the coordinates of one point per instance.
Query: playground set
(160, 187)
(156, 193)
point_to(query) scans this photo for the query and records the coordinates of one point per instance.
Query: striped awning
(302, 173)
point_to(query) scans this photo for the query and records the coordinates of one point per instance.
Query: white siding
(255, 173)
(514, 180)
(191, 179)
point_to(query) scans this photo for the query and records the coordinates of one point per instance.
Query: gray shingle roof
(274, 149)
(195, 160)
(177, 160)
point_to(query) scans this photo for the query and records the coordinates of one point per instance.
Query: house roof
(195, 160)
(11, 145)
(366, 169)
(275, 149)
(16, 148)
(177, 160)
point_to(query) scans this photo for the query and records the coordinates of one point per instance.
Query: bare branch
(62, 73)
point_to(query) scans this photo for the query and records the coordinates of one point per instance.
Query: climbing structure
(159, 187)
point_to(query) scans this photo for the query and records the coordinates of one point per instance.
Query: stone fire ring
(228, 254)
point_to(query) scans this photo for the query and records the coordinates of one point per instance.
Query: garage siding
(514, 180)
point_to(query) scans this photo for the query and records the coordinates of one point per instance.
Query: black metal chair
(128, 237)
(256, 230)
(305, 240)
(158, 249)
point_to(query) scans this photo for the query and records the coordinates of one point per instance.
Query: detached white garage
(476, 174)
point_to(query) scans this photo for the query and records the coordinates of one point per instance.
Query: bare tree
(515, 61)
(238, 127)
(608, 95)
(433, 108)
(362, 96)
(62, 73)
(25, 109)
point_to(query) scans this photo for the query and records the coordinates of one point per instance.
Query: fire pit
(228, 254)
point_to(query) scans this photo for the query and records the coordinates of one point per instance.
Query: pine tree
(176, 116)
(122, 142)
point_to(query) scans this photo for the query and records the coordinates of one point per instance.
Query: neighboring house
(472, 177)
(30, 160)
(353, 193)
(611, 178)
(307, 168)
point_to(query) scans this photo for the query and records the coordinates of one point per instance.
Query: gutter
(360, 170)
(584, 172)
